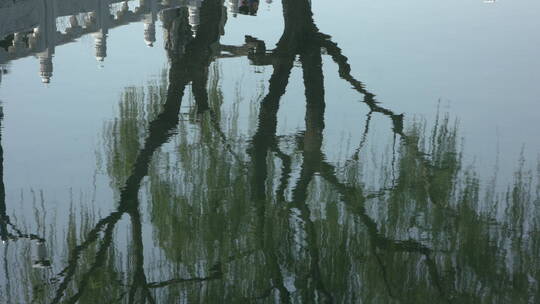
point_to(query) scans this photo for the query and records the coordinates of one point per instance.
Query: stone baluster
(150, 23)
(194, 15)
(233, 7)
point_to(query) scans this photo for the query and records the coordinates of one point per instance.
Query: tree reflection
(270, 219)
(185, 67)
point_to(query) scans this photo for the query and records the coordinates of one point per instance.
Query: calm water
(351, 151)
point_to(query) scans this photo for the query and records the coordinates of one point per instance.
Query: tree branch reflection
(184, 68)
(203, 206)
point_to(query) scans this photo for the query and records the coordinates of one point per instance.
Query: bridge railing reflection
(30, 28)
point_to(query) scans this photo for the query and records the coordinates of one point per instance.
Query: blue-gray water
(291, 151)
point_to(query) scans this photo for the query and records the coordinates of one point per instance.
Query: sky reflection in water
(238, 152)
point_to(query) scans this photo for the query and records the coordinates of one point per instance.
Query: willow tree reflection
(186, 65)
(432, 230)
(270, 218)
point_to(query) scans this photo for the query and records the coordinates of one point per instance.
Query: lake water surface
(295, 151)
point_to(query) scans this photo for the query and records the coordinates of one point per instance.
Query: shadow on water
(236, 224)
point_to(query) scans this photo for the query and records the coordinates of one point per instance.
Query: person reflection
(248, 7)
